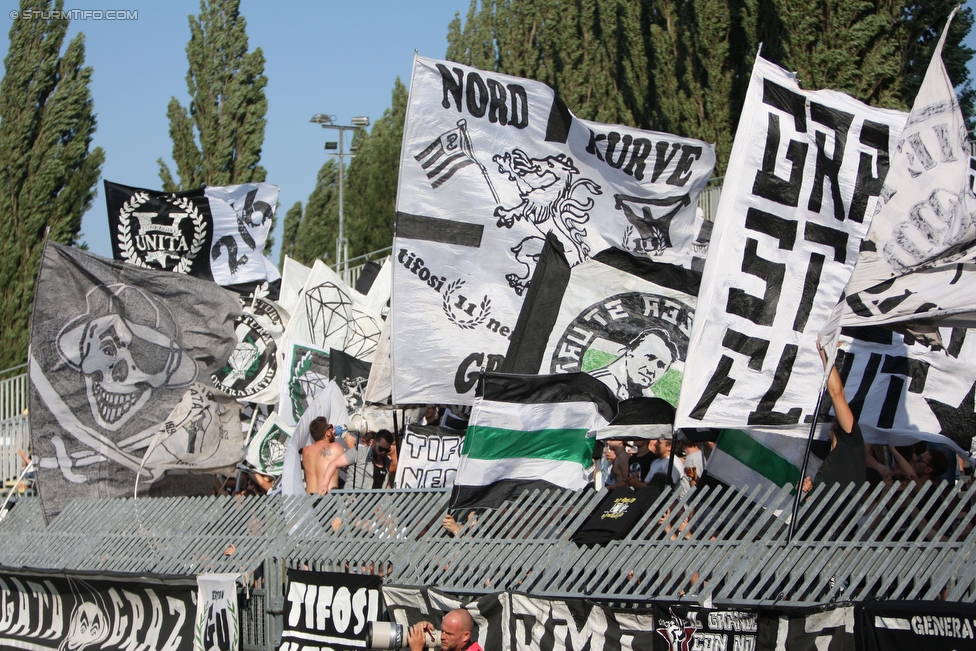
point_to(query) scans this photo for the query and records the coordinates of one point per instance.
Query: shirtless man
(316, 457)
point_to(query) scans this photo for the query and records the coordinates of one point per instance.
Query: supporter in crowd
(639, 464)
(369, 467)
(847, 460)
(316, 457)
(662, 448)
(456, 629)
(694, 462)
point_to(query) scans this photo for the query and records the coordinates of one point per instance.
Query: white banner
(902, 391)
(217, 625)
(490, 165)
(242, 217)
(266, 450)
(912, 263)
(428, 457)
(804, 175)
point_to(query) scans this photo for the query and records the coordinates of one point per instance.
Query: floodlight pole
(326, 122)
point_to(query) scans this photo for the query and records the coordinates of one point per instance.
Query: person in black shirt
(847, 460)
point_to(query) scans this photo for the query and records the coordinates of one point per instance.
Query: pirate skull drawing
(126, 345)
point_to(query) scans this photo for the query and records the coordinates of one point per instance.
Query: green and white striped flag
(530, 431)
(759, 457)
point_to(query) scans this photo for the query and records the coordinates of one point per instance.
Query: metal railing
(352, 273)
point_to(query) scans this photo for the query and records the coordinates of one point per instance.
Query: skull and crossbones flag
(490, 165)
(114, 349)
(217, 233)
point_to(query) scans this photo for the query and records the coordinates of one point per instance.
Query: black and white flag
(428, 457)
(803, 181)
(621, 318)
(918, 262)
(351, 375)
(511, 164)
(254, 370)
(216, 233)
(114, 349)
(218, 618)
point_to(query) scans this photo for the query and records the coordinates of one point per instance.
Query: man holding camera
(455, 633)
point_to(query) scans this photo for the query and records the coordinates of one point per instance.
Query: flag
(446, 155)
(804, 176)
(114, 349)
(918, 262)
(266, 450)
(217, 623)
(428, 457)
(764, 458)
(328, 314)
(529, 431)
(253, 371)
(623, 319)
(306, 370)
(351, 375)
(294, 275)
(464, 251)
(641, 418)
(216, 233)
(902, 390)
(202, 434)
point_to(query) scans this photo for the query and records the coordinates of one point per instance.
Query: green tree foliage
(317, 230)
(683, 66)
(369, 205)
(227, 104)
(49, 174)
(289, 238)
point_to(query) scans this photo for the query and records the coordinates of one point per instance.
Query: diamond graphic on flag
(363, 335)
(327, 307)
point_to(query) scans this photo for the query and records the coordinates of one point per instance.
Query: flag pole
(468, 149)
(806, 458)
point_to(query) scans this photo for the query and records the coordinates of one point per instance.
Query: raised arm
(835, 389)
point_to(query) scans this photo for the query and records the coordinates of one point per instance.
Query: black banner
(681, 628)
(328, 610)
(915, 625)
(40, 611)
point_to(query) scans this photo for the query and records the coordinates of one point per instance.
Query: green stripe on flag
(494, 443)
(753, 454)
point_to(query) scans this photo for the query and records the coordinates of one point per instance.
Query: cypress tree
(318, 229)
(289, 237)
(227, 104)
(48, 177)
(371, 182)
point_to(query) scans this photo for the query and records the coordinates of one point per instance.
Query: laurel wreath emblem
(125, 230)
(464, 323)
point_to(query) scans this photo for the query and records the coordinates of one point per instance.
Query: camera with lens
(391, 635)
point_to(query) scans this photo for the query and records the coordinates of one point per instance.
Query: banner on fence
(218, 625)
(65, 611)
(328, 609)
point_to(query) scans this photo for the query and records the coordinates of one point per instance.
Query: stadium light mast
(327, 121)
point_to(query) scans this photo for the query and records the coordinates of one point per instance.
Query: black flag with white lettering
(329, 609)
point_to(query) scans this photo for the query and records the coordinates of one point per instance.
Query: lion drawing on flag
(550, 201)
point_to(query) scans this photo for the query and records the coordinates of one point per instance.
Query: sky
(339, 58)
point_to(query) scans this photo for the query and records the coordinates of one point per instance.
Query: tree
(289, 238)
(49, 174)
(683, 66)
(370, 195)
(227, 104)
(318, 229)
